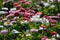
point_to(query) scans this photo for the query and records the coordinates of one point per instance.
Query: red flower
(27, 8)
(31, 14)
(22, 9)
(25, 18)
(53, 33)
(27, 3)
(16, 13)
(43, 26)
(46, 30)
(44, 38)
(32, 11)
(39, 13)
(16, 4)
(53, 21)
(26, 14)
(53, 24)
(47, 17)
(58, 14)
(22, 1)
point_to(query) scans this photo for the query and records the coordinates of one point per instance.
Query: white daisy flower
(8, 23)
(35, 19)
(14, 31)
(45, 21)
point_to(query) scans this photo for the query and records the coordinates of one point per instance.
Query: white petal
(15, 31)
(28, 34)
(26, 21)
(1, 12)
(4, 8)
(40, 28)
(1, 26)
(58, 35)
(21, 22)
(58, 0)
(13, 9)
(46, 4)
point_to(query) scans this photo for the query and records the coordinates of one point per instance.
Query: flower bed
(30, 20)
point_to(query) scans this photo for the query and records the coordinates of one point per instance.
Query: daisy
(35, 18)
(5, 31)
(44, 21)
(8, 23)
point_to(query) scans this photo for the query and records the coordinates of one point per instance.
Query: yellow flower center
(8, 22)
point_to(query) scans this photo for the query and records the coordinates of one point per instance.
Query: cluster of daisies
(21, 23)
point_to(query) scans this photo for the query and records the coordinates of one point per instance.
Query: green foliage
(1, 4)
